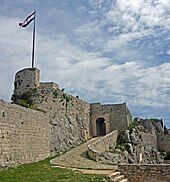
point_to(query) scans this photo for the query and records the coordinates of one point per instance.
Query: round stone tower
(26, 79)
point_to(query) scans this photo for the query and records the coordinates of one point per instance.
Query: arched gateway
(101, 127)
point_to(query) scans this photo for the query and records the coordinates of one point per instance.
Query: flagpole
(33, 43)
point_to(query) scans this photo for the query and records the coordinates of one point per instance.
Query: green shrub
(119, 146)
(26, 103)
(167, 157)
(34, 90)
(131, 125)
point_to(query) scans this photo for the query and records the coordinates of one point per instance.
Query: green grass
(42, 171)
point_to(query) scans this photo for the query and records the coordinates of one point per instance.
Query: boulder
(133, 137)
(126, 137)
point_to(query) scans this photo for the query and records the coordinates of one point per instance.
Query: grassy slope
(42, 171)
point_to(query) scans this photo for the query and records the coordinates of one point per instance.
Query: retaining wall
(101, 145)
(163, 142)
(24, 135)
(146, 173)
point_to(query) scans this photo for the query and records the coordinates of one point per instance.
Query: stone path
(76, 158)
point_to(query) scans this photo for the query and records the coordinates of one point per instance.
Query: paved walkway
(76, 158)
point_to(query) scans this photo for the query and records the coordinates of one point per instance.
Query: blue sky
(110, 51)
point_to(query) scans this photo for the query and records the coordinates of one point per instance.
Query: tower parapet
(26, 79)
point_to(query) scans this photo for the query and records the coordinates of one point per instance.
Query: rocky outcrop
(68, 116)
(134, 146)
(103, 144)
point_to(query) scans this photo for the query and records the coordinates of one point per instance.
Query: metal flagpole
(33, 43)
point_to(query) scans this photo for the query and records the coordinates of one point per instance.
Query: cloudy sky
(108, 51)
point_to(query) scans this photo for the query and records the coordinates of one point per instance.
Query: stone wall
(163, 142)
(146, 173)
(102, 145)
(25, 80)
(148, 139)
(49, 85)
(117, 116)
(24, 135)
(68, 117)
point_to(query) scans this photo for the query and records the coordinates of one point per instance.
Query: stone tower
(26, 79)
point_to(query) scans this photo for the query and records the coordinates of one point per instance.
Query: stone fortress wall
(68, 117)
(144, 173)
(116, 116)
(61, 122)
(49, 85)
(24, 135)
(154, 134)
(26, 79)
(148, 139)
(95, 149)
(163, 142)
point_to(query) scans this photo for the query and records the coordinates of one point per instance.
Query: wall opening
(101, 127)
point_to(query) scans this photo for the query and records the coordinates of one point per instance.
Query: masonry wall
(146, 173)
(148, 139)
(49, 85)
(163, 142)
(26, 79)
(24, 135)
(68, 117)
(103, 144)
(117, 116)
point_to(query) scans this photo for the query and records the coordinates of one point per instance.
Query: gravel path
(76, 158)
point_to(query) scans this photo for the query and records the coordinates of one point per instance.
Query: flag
(28, 20)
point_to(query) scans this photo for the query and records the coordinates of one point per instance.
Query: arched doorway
(101, 127)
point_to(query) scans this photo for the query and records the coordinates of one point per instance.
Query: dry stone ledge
(146, 173)
(102, 145)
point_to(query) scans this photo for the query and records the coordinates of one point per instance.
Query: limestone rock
(133, 137)
(129, 148)
(126, 137)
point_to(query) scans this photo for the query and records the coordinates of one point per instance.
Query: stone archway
(100, 127)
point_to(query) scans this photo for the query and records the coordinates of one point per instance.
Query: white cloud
(128, 20)
(123, 39)
(136, 15)
(80, 71)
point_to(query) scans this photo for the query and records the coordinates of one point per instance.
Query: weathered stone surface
(129, 148)
(103, 144)
(133, 137)
(68, 116)
(24, 135)
(116, 116)
(141, 148)
(126, 137)
(111, 158)
(146, 173)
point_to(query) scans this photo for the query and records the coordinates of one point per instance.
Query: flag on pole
(28, 20)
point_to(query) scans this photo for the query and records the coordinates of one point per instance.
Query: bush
(131, 125)
(167, 157)
(26, 103)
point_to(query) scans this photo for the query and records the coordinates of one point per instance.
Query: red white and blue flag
(28, 20)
